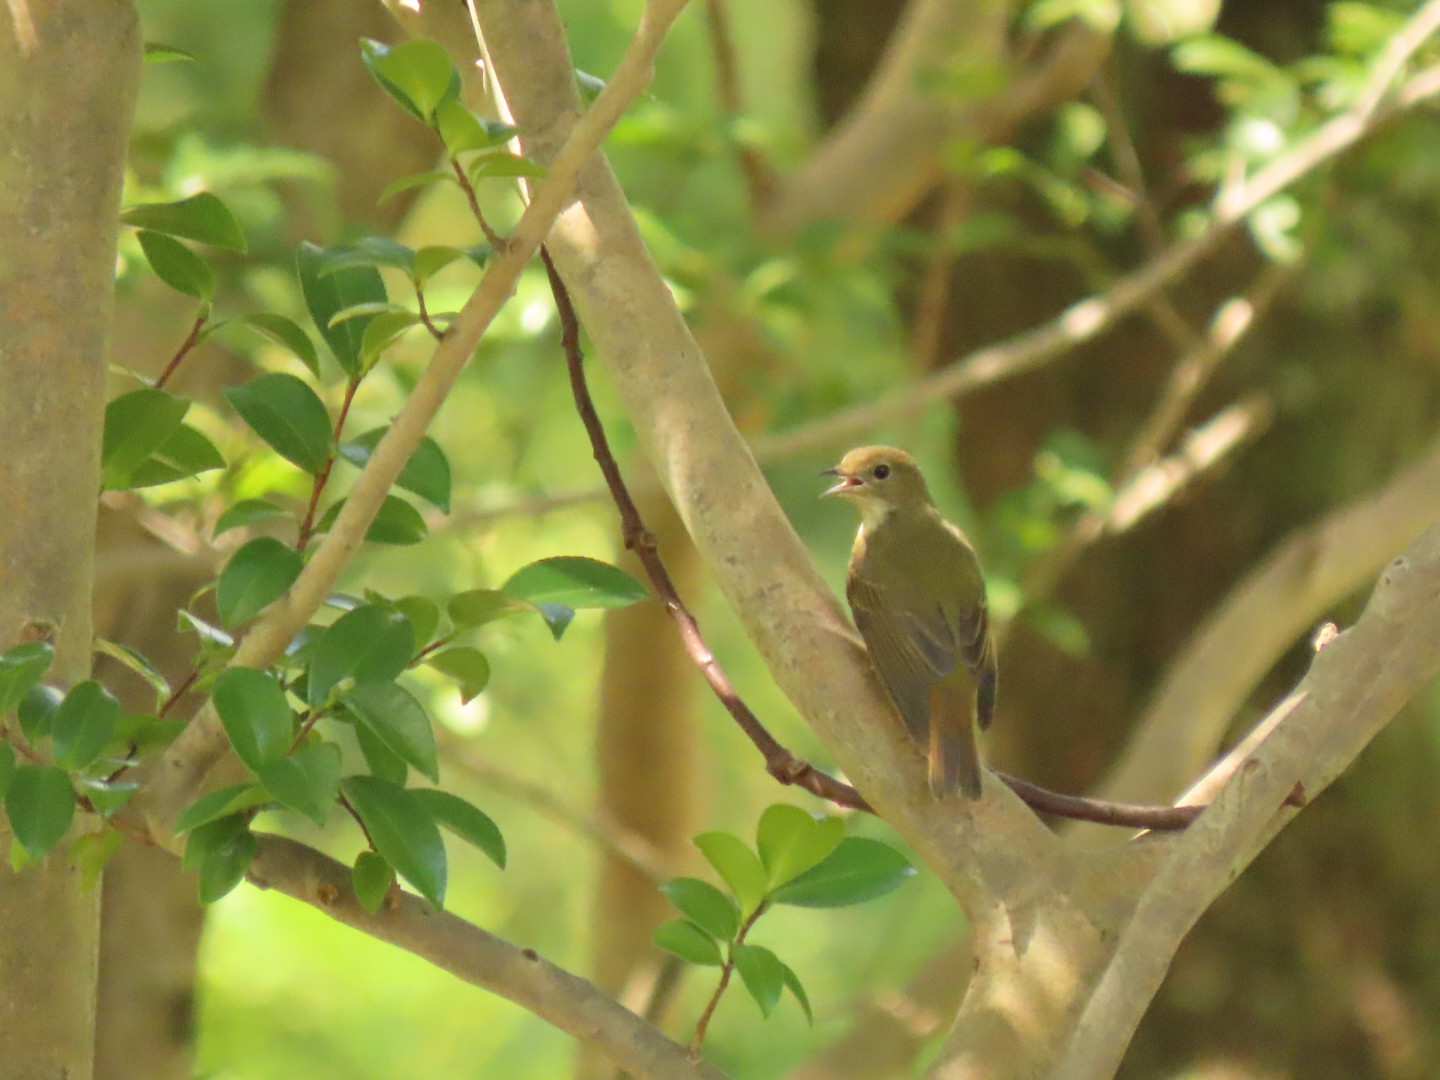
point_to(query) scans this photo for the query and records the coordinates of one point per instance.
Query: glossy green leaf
(91, 853)
(466, 666)
(40, 805)
(368, 251)
(575, 582)
(397, 522)
(369, 310)
(308, 780)
(178, 266)
(762, 974)
(416, 73)
(737, 866)
(502, 165)
(212, 638)
(687, 941)
(379, 758)
(468, 822)
(21, 669)
(424, 616)
(225, 858)
(136, 425)
(373, 643)
(245, 513)
(403, 831)
(558, 618)
(394, 716)
(105, 795)
(791, 841)
(83, 724)
(288, 415)
(414, 180)
(383, 331)
(371, 877)
(857, 870)
(7, 766)
(462, 131)
(36, 709)
(186, 453)
(288, 334)
(255, 714)
(477, 607)
(704, 905)
(134, 661)
(220, 803)
(426, 473)
(325, 294)
(203, 217)
(256, 575)
(155, 53)
(429, 261)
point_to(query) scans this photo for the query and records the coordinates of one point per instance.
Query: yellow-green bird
(918, 597)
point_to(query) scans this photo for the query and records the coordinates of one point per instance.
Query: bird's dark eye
(881, 472)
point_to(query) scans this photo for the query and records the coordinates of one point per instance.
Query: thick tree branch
(176, 777)
(479, 958)
(1357, 683)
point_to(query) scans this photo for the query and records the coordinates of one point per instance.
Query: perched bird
(918, 597)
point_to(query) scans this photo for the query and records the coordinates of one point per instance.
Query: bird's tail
(954, 757)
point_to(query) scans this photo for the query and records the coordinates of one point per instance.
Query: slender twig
(349, 809)
(184, 349)
(307, 525)
(470, 197)
(726, 970)
(178, 693)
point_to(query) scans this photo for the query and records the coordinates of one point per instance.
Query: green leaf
(856, 871)
(247, 512)
(791, 841)
(7, 766)
(225, 859)
(204, 837)
(256, 575)
(178, 266)
(737, 866)
(368, 251)
(107, 796)
(21, 668)
(288, 415)
(424, 616)
(83, 724)
(308, 780)
(429, 261)
(575, 582)
(379, 758)
(286, 333)
(40, 805)
(763, 975)
(793, 982)
(394, 716)
(397, 522)
(706, 906)
(466, 821)
(201, 217)
(466, 666)
(36, 709)
(373, 643)
(89, 855)
(416, 73)
(136, 425)
(426, 473)
(220, 803)
(414, 180)
(212, 638)
(476, 607)
(687, 941)
(383, 331)
(502, 164)
(256, 716)
(403, 831)
(557, 617)
(372, 878)
(187, 452)
(155, 53)
(325, 294)
(137, 663)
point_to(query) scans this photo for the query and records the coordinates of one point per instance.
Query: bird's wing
(911, 652)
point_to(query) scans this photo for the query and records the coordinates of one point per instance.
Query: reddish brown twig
(779, 762)
(183, 351)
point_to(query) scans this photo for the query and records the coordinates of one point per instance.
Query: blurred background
(1074, 142)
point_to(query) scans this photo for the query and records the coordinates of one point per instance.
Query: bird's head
(878, 480)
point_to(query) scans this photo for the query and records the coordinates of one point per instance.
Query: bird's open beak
(848, 481)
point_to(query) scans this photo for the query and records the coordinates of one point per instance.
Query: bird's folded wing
(912, 648)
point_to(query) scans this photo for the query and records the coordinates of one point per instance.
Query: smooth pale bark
(68, 78)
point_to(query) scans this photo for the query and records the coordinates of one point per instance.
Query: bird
(918, 596)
